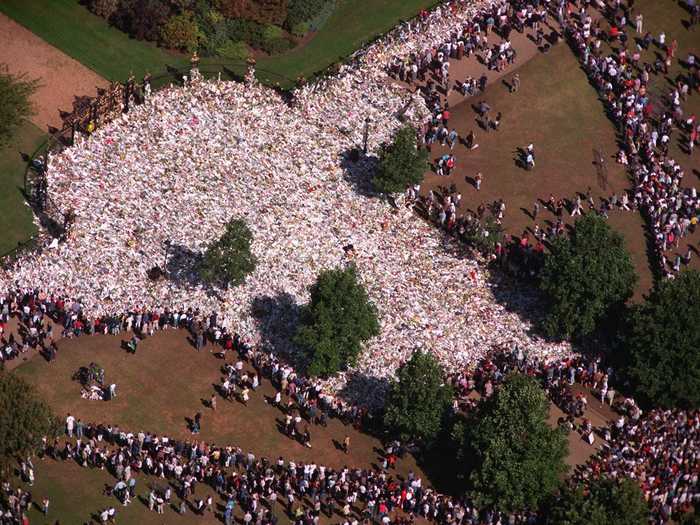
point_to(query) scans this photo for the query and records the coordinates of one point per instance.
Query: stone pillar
(195, 75)
(250, 72)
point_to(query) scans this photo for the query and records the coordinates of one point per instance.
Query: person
(515, 83)
(471, 141)
(639, 23)
(212, 402)
(70, 425)
(307, 437)
(530, 156)
(45, 506)
(346, 444)
(497, 121)
(133, 343)
(196, 425)
(477, 181)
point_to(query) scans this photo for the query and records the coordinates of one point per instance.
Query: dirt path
(61, 77)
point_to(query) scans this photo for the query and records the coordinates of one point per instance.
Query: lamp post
(366, 135)
(165, 260)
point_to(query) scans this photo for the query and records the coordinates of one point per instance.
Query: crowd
(659, 449)
(624, 81)
(156, 186)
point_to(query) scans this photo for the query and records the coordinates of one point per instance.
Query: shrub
(518, 458)
(602, 502)
(246, 31)
(663, 344)
(483, 236)
(299, 11)
(15, 106)
(142, 19)
(276, 46)
(320, 19)
(401, 163)
(229, 260)
(300, 29)
(418, 400)
(181, 32)
(272, 32)
(263, 11)
(338, 318)
(104, 8)
(587, 277)
(24, 419)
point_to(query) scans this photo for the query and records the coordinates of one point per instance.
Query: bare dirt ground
(61, 77)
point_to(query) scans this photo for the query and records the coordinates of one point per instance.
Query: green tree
(517, 458)
(15, 106)
(181, 32)
(401, 163)
(24, 420)
(338, 318)
(587, 277)
(663, 344)
(229, 260)
(418, 400)
(603, 502)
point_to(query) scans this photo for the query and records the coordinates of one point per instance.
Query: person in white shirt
(70, 425)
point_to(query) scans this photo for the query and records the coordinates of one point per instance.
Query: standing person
(477, 181)
(452, 138)
(212, 402)
(577, 206)
(497, 121)
(346, 444)
(515, 83)
(639, 23)
(45, 506)
(70, 425)
(197, 425)
(535, 210)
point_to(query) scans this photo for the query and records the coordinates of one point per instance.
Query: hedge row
(216, 27)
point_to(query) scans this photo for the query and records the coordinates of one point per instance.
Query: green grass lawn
(354, 23)
(559, 112)
(71, 28)
(15, 216)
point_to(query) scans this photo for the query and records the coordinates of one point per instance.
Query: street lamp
(366, 135)
(167, 244)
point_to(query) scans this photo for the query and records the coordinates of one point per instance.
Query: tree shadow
(277, 318)
(360, 389)
(182, 266)
(182, 270)
(359, 169)
(518, 294)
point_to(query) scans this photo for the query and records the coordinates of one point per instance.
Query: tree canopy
(15, 106)
(24, 419)
(603, 502)
(338, 318)
(401, 163)
(586, 278)
(517, 458)
(229, 260)
(663, 344)
(418, 400)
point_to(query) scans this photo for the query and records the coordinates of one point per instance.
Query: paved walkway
(62, 78)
